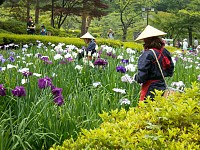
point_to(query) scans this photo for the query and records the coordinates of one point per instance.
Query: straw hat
(150, 31)
(87, 36)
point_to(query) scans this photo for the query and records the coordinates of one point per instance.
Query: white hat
(149, 31)
(87, 36)
(185, 40)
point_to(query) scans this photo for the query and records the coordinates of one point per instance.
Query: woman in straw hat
(91, 49)
(149, 73)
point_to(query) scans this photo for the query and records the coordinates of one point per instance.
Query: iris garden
(47, 94)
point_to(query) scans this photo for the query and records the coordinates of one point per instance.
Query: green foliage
(133, 45)
(19, 39)
(166, 123)
(13, 26)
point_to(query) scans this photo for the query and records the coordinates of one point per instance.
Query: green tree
(129, 13)
(2, 1)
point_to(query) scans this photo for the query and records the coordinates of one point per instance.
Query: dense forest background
(127, 18)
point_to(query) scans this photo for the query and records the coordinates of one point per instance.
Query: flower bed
(48, 95)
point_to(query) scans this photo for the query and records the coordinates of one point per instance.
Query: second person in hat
(91, 48)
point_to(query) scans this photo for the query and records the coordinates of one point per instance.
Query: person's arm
(91, 46)
(144, 65)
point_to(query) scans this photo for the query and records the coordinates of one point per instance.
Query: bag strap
(159, 67)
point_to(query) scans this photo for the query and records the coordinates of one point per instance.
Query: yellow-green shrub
(167, 123)
(133, 45)
(24, 38)
(139, 46)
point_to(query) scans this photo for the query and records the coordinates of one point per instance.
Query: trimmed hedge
(171, 124)
(24, 38)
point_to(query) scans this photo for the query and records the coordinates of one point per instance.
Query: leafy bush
(13, 26)
(73, 33)
(171, 123)
(133, 45)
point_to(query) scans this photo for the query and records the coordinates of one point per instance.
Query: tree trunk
(28, 9)
(88, 21)
(52, 12)
(83, 27)
(37, 11)
(190, 35)
(124, 34)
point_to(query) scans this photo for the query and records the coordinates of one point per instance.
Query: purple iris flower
(27, 74)
(3, 60)
(100, 52)
(1, 57)
(63, 62)
(2, 90)
(114, 56)
(125, 61)
(19, 91)
(121, 69)
(39, 55)
(11, 58)
(176, 58)
(59, 100)
(109, 54)
(44, 83)
(45, 58)
(100, 62)
(69, 59)
(12, 53)
(57, 91)
(48, 62)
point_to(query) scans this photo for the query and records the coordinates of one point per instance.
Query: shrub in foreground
(171, 123)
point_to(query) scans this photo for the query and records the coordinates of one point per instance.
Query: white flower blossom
(127, 78)
(54, 74)
(122, 91)
(91, 64)
(9, 66)
(96, 84)
(130, 51)
(130, 67)
(120, 57)
(28, 64)
(78, 67)
(124, 101)
(68, 55)
(24, 81)
(187, 67)
(37, 74)
(95, 55)
(23, 70)
(89, 53)
(2, 68)
(74, 54)
(178, 85)
(25, 46)
(132, 59)
(28, 55)
(57, 56)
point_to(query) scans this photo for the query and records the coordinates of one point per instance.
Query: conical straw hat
(87, 36)
(150, 31)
